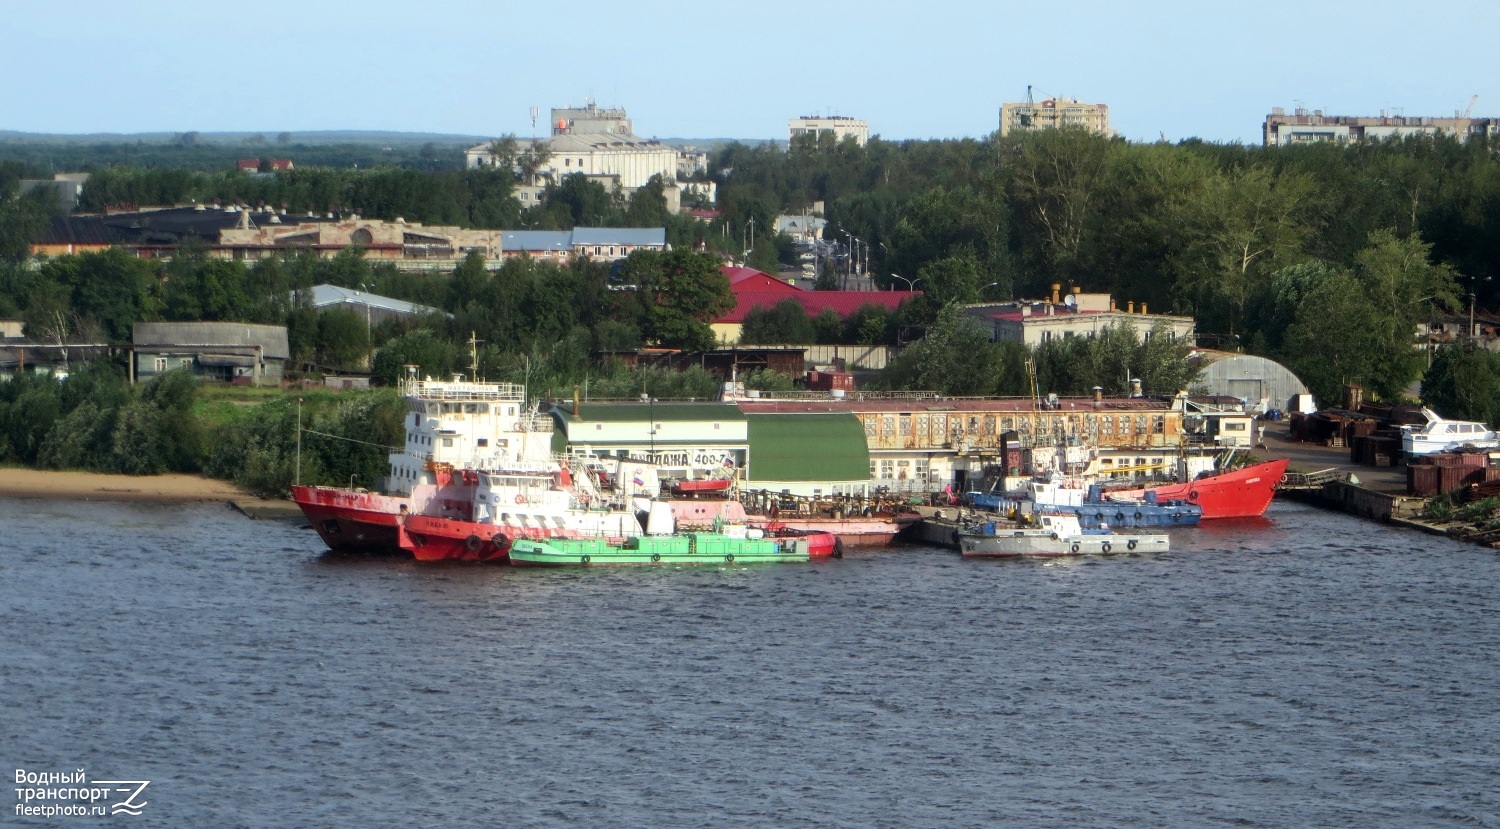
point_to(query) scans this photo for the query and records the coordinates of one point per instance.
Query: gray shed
(1255, 380)
(234, 352)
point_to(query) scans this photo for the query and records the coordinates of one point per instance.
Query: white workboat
(1055, 535)
(1441, 435)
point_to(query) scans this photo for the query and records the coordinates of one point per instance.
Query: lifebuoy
(1130, 545)
(473, 543)
(516, 427)
(520, 499)
(500, 541)
(1105, 548)
(1192, 495)
(656, 556)
(1075, 547)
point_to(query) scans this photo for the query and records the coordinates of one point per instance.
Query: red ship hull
(1238, 493)
(855, 532)
(350, 521)
(819, 543)
(441, 539)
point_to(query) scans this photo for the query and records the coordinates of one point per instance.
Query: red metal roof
(853, 403)
(843, 303)
(738, 274)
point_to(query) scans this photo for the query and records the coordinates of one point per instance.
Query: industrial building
(1304, 126)
(1054, 113)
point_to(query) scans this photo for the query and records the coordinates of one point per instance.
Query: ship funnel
(659, 520)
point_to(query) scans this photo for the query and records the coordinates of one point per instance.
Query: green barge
(681, 548)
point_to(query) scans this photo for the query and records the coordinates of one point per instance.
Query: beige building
(839, 126)
(920, 442)
(398, 240)
(597, 141)
(1033, 322)
(1054, 113)
(1306, 127)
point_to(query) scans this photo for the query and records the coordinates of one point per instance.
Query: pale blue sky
(935, 69)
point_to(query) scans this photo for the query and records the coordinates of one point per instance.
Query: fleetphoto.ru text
(72, 794)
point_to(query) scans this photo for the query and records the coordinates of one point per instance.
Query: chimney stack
(1056, 287)
(1143, 309)
(1130, 307)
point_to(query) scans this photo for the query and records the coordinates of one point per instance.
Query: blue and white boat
(1091, 505)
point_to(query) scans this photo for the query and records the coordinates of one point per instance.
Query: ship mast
(473, 357)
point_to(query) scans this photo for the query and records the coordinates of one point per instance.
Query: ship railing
(440, 390)
(1313, 480)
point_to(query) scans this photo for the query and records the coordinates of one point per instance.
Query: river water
(1305, 670)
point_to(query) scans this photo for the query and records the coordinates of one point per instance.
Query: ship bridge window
(447, 442)
(483, 442)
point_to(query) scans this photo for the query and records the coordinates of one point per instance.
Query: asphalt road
(1313, 457)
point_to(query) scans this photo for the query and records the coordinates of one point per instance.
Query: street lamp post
(1473, 291)
(911, 284)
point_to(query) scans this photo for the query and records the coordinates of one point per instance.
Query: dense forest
(1325, 257)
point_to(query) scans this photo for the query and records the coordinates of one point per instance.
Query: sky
(936, 69)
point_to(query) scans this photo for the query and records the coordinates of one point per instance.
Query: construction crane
(1470, 108)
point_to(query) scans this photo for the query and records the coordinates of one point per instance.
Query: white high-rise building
(839, 126)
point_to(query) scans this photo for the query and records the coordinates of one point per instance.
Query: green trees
(94, 421)
(1333, 326)
(955, 357)
(686, 291)
(343, 338)
(785, 322)
(22, 220)
(346, 440)
(105, 293)
(1463, 382)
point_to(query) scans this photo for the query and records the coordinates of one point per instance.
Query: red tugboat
(1234, 493)
(476, 473)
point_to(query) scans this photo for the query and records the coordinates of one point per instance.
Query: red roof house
(757, 289)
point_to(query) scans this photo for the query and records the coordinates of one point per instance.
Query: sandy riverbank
(90, 486)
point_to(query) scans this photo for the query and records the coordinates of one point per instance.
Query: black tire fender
(473, 543)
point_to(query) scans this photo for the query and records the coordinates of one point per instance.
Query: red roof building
(757, 289)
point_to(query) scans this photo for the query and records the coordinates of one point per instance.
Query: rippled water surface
(1306, 670)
